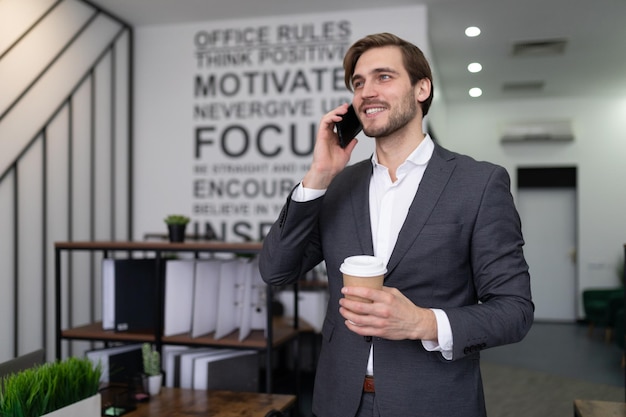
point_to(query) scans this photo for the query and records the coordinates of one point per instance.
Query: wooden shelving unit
(279, 330)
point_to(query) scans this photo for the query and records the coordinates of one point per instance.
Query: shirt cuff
(302, 194)
(444, 336)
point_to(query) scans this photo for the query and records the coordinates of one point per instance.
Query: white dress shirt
(389, 204)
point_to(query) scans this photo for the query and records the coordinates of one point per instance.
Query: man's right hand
(328, 157)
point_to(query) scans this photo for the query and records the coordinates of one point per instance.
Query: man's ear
(422, 89)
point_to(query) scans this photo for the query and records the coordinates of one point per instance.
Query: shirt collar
(420, 156)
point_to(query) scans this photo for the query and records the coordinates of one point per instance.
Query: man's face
(383, 96)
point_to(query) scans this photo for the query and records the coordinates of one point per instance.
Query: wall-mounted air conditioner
(537, 131)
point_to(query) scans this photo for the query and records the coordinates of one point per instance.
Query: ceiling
(592, 64)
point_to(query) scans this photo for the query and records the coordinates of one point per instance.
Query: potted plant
(153, 377)
(61, 388)
(176, 225)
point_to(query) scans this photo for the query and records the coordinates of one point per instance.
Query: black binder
(120, 364)
(134, 296)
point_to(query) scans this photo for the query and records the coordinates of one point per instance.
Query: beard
(399, 118)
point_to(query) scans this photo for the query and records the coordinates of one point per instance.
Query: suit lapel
(359, 197)
(435, 178)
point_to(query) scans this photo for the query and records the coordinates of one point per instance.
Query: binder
(108, 294)
(230, 302)
(258, 289)
(179, 295)
(119, 363)
(206, 296)
(253, 310)
(129, 289)
(170, 358)
(227, 369)
(186, 364)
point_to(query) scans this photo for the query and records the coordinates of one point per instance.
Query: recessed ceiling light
(474, 67)
(475, 92)
(472, 31)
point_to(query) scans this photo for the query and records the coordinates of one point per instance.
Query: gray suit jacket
(460, 250)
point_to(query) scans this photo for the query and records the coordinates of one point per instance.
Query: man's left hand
(390, 315)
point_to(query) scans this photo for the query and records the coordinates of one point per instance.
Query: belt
(368, 384)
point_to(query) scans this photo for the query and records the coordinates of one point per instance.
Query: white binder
(179, 284)
(206, 296)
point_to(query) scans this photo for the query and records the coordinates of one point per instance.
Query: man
(444, 224)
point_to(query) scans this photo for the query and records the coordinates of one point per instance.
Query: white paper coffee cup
(363, 271)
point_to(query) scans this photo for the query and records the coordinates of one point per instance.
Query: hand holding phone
(348, 127)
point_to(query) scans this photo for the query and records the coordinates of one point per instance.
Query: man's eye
(357, 84)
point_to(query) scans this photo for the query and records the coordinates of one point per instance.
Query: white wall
(598, 152)
(166, 165)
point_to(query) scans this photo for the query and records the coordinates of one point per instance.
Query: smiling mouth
(374, 110)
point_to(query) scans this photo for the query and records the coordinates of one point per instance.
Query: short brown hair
(414, 60)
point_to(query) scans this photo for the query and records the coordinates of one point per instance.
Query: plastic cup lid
(363, 266)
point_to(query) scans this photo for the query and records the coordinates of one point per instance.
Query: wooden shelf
(195, 246)
(283, 331)
(94, 331)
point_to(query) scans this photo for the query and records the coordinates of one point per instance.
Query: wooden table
(176, 402)
(589, 408)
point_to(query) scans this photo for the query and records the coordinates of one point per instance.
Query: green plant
(176, 219)
(151, 360)
(48, 387)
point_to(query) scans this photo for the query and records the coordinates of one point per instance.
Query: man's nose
(368, 90)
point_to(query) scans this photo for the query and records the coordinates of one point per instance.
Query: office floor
(560, 349)
(564, 349)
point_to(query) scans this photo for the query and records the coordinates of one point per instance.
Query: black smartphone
(348, 127)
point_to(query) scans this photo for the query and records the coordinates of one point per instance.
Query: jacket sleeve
(292, 246)
(500, 276)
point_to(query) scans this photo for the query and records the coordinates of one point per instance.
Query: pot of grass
(63, 388)
(176, 226)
